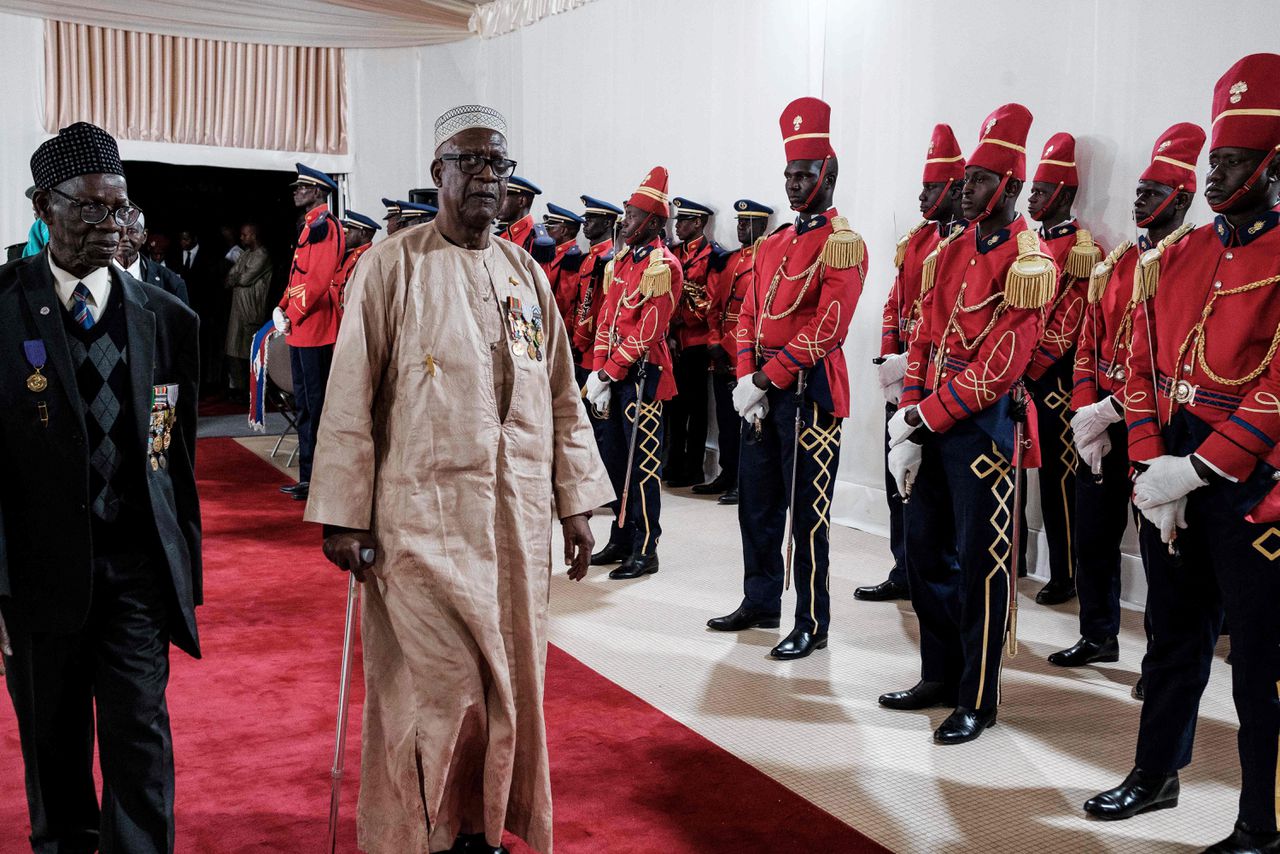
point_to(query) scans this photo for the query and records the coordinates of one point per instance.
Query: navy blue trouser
(1102, 514)
(641, 527)
(116, 669)
(729, 425)
(764, 485)
(1058, 463)
(687, 416)
(897, 517)
(310, 367)
(959, 538)
(1228, 566)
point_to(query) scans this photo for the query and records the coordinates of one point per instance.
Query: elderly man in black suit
(99, 519)
(131, 259)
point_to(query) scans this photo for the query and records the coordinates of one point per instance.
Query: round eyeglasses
(92, 213)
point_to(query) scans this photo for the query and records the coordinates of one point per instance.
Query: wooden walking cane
(340, 741)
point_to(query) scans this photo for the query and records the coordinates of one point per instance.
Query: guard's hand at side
(598, 391)
(746, 395)
(904, 465)
(900, 426)
(1093, 420)
(892, 372)
(280, 320)
(1093, 450)
(1166, 479)
(578, 543)
(343, 551)
(1167, 517)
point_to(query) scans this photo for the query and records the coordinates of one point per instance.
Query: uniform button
(1217, 285)
(793, 241)
(973, 262)
(942, 375)
(1230, 256)
(1186, 369)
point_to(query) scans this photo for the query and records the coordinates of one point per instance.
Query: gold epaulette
(1101, 274)
(607, 280)
(1083, 256)
(1146, 277)
(656, 281)
(1032, 279)
(900, 253)
(929, 268)
(844, 247)
(759, 242)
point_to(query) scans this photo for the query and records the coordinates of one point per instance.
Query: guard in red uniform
(415, 213)
(940, 206)
(392, 219)
(357, 233)
(308, 314)
(1053, 192)
(632, 373)
(562, 226)
(792, 373)
(1163, 197)
(1208, 465)
(700, 258)
(952, 439)
(599, 224)
(725, 291)
(516, 224)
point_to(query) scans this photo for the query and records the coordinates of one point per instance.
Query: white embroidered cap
(469, 116)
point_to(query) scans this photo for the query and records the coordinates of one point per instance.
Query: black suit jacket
(164, 278)
(46, 551)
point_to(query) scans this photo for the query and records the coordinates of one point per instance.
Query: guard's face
(474, 200)
(930, 193)
(979, 186)
(75, 243)
(746, 234)
(596, 226)
(515, 205)
(1149, 196)
(638, 226)
(1038, 198)
(305, 195)
(1229, 168)
(801, 177)
(689, 227)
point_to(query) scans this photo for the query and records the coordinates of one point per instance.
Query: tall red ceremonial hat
(1174, 156)
(1058, 161)
(1002, 142)
(806, 129)
(1246, 104)
(945, 160)
(651, 195)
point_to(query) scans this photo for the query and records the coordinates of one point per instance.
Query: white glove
(1166, 479)
(899, 429)
(1167, 517)
(1094, 450)
(757, 412)
(904, 464)
(280, 320)
(598, 391)
(746, 395)
(5, 647)
(892, 371)
(1093, 420)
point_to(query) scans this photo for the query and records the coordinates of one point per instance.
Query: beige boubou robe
(459, 454)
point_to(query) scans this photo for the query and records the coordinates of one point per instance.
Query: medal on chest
(164, 399)
(36, 357)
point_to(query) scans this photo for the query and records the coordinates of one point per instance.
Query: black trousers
(117, 664)
(897, 512)
(1102, 514)
(687, 416)
(642, 524)
(310, 366)
(764, 486)
(729, 425)
(1058, 463)
(1228, 566)
(959, 539)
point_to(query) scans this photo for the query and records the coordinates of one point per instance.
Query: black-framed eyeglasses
(92, 213)
(473, 164)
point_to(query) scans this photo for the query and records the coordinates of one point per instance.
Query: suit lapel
(141, 323)
(45, 311)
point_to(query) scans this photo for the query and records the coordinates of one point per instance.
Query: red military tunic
(343, 276)
(562, 273)
(1107, 331)
(522, 232)
(808, 278)
(690, 322)
(971, 343)
(641, 296)
(725, 292)
(1216, 323)
(308, 300)
(902, 308)
(590, 298)
(1074, 251)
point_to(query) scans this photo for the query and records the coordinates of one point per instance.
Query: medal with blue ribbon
(36, 357)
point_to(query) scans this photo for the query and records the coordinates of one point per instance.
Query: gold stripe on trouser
(822, 446)
(1060, 400)
(1001, 549)
(648, 451)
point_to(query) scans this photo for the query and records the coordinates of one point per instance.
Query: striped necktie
(80, 306)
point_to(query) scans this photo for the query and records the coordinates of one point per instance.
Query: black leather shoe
(1087, 651)
(885, 591)
(715, 487)
(611, 553)
(744, 618)
(964, 725)
(922, 695)
(474, 843)
(729, 498)
(292, 488)
(798, 644)
(636, 566)
(1141, 791)
(1246, 841)
(1056, 592)
(1138, 693)
(301, 491)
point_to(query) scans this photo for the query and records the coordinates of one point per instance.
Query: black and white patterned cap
(470, 116)
(79, 149)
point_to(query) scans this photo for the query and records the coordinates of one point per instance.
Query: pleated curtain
(161, 88)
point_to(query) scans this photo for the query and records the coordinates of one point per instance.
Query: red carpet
(253, 721)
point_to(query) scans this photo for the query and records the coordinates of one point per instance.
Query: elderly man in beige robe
(454, 436)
